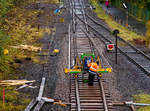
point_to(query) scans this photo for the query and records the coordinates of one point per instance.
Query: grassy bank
(15, 29)
(18, 26)
(142, 98)
(124, 32)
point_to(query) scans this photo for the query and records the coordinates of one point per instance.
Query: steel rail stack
(84, 97)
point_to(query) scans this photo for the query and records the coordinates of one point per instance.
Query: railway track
(133, 54)
(84, 97)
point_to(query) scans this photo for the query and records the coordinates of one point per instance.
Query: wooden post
(3, 96)
(126, 19)
(120, 21)
(116, 47)
(38, 27)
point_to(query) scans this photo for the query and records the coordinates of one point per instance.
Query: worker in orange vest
(92, 72)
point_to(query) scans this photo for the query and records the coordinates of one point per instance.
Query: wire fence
(124, 24)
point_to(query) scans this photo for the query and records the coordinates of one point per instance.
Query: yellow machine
(78, 67)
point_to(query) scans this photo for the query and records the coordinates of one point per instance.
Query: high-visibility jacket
(93, 66)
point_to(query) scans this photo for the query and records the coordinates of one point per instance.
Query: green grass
(142, 98)
(12, 100)
(14, 33)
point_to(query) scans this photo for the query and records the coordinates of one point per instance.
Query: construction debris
(28, 47)
(36, 104)
(15, 82)
(55, 52)
(26, 85)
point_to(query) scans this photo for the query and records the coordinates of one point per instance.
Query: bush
(5, 6)
(148, 34)
(4, 40)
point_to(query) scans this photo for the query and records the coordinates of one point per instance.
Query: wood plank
(30, 106)
(39, 105)
(41, 89)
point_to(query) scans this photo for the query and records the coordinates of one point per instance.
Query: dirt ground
(57, 83)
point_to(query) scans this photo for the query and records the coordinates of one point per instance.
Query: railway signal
(110, 47)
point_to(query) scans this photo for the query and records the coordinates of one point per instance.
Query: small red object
(110, 46)
(3, 96)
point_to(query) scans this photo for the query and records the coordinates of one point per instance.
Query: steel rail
(77, 95)
(132, 60)
(75, 55)
(100, 85)
(125, 54)
(76, 80)
(103, 96)
(84, 15)
(100, 82)
(69, 55)
(73, 18)
(93, 42)
(133, 47)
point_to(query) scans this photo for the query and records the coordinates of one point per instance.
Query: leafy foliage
(12, 99)
(51, 1)
(18, 25)
(5, 5)
(148, 34)
(139, 9)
